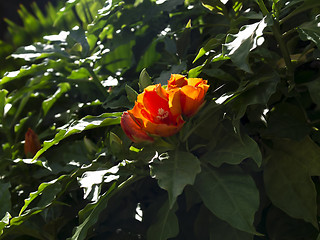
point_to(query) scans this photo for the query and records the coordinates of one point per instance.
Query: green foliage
(246, 166)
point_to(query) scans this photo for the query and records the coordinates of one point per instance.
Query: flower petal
(132, 129)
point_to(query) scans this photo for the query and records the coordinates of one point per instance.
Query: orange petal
(133, 130)
(191, 99)
(177, 81)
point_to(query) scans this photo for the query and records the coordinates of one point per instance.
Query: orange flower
(155, 113)
(32, 143)
(190, 91)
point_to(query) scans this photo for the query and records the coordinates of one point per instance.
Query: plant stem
(285, 54)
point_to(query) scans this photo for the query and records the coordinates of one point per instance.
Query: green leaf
(238, 46)
(44, 188)
(285, 117)
(47, 104)
(210, 45)
(4, 222)
(131, 93)
(229, 194)
(311, 31)
(86, 123)
(287, 177)
(228, 147)
(78, 36)
(314, 90)
(81, 73)
(47, 192)
(144, 80)
(5, 198)
(220, 230)
(166, 225)
(3, 94)
(214, 5)
(258, 91)
(93, 212)
(174, 171)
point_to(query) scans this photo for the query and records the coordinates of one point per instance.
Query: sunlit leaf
(86, 123)
(238, 46)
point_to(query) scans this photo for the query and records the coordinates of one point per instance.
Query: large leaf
(228, 147)
(287, 177)
(86, 123)
(93, 212)
(311, 31)
(166, 225)
(285, 117)
(47, 192)
(220, 230)
(5, 199)
(175, 171)
(229, 194)
(238, 46)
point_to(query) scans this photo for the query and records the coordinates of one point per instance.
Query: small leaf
(131, 93)
(3, 94)
(166, 225)
(4, 222)
(287, 177)
(144, 80)
(175, 171)
(47, 104)
(229, 194)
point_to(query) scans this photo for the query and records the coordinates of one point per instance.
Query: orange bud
(32, 143)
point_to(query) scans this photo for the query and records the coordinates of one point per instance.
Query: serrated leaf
(144, 80)
(48, 103)
(86, 123)
(229, 194)
(287, 177)
(166, 225)
(238, 46)
(175, 171)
